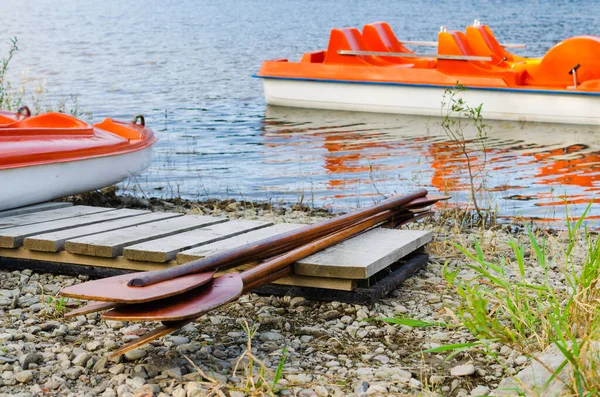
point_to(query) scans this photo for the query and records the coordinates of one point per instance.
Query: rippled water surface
(187, 66)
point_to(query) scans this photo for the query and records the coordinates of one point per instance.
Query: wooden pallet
(102, 241)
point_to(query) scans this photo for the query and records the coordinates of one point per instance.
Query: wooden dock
(102, 241)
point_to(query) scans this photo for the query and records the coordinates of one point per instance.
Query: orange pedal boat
(54, 155)
(373, 71)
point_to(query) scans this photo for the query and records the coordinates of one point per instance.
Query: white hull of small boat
(34, 184)
(568, 107)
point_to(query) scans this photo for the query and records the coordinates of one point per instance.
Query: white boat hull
(566, 107)
(29, 185)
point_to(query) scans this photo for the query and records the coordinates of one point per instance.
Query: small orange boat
(373, 71)
(54, 155)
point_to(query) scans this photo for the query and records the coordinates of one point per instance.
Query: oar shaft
(259, 274)
(273, 245)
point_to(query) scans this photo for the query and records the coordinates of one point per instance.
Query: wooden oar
(181, 310)
(413, 55)
(435, 44)
(269, 246)
(121, 288)
(115, 289)
(92, 307)
(230, 286)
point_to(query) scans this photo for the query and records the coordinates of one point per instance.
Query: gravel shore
(330, 348)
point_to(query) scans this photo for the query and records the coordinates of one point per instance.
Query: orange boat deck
(56, 137)
(503, 71)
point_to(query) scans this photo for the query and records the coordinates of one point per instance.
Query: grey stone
(376, 390)
(135, 354)
(6, 337)
(93, 346)
(117, 369)
(30, 358)
(73, 372)
(179, 340)
(321, 391)
(50, 325)
(299, 379)
(535, 376)
(271, 337)
(297, 301)
(463, 370)
(360, 389)
(24, 376)
(135, 383)
(174, 372)
(480, 391)
(100, 364)
(364, 373)
(148, 388)
(82, 359)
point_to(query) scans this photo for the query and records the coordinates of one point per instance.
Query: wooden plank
(166, 248)
(110, 244)
(120, 265)
(364, 255)
(13, 237)
(55, 241)
(92, 261)
(218, 246)
(51, 205)
(361, 295)
(50, 215)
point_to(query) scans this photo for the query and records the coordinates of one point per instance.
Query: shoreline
(331, 348)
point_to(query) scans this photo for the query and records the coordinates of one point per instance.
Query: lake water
(187, 66)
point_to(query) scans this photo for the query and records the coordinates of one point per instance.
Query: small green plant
(57, 305)
(457, 116)
(258, 384)
(522, 303)
(7, 99)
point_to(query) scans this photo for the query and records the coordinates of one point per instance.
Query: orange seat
(379, 36)
(350, 39)
(482, 41)
(456, 43)
(553, 69)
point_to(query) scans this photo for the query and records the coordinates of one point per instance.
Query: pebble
(30, 358)
(480, 391)
(136, 354)
(24, 376)
(73, 372)
(81, 359)
(271, 336)
(463, 370)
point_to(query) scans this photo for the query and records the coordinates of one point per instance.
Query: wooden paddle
(122, 288)
(178, 311)
(115, 289)
(230, 286)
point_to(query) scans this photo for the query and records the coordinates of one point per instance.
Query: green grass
(544, 293)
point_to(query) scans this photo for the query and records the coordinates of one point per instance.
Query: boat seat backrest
(379, 36)
(349, 39)
(455, 43)
(483, 42)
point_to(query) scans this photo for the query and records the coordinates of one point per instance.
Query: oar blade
(218, 292)
(115, 289)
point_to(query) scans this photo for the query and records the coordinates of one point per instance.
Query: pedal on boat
(373, 71)
(54, 155)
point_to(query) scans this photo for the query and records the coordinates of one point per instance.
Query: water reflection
(526, 169)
